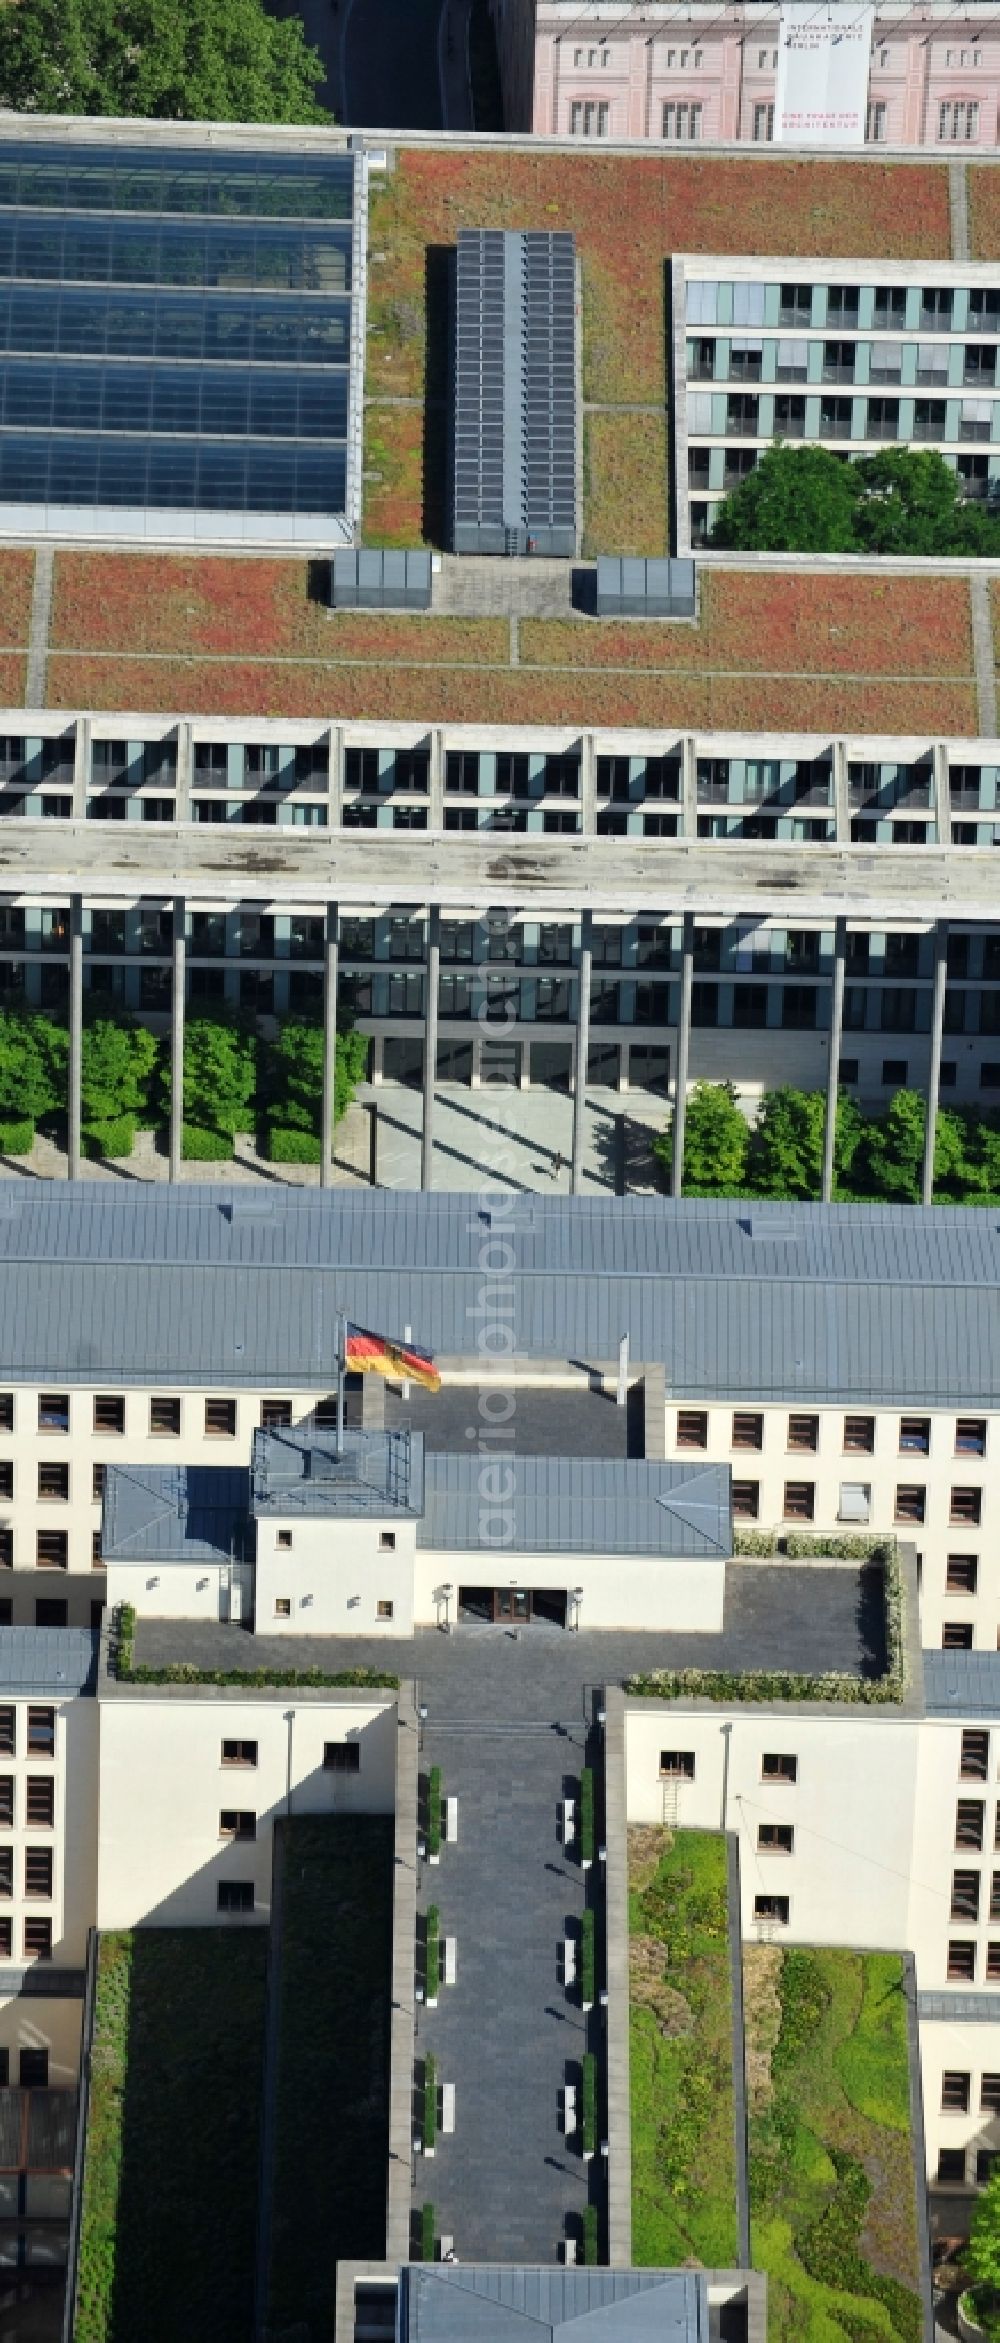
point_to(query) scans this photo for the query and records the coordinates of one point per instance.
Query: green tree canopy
(798, 500)
(912, 502)
(194, 60)
(891, 1156)
(118, 1060)
(297, 1075)
(808, 500)
(33, 1053)
(982, 2254)
(220, 1074)
(786, 1146)
(715, 1142)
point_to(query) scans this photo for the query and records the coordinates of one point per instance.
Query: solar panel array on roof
(175, 336)
(513, 472)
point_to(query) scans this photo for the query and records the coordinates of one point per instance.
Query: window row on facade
(689, 120)
(811, 304)
(964, 1436)
(760, 792)
(855, 1504)
(57, 1412)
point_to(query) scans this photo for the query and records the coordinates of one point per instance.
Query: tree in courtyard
(715, 1142)
(891, 1156)
(33, 1054)
(912, 502)
(808, 500)
(786, 1144)
(220, 1074)
(797, 500)
(194, 60)
(297, 1075)
(981, 2256)
(118, 1059)
(981, 1159)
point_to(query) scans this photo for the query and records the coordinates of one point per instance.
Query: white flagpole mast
(341, 1378)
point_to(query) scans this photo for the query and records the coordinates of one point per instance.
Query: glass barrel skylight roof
(175, 338)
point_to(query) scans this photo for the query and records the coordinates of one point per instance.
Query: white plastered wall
(883, 1472)
(164, 1786)
(29, 2023)
(333, 1575)
(852, 1809)
(617, 1590)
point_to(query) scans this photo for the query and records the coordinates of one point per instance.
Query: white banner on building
(821, 92)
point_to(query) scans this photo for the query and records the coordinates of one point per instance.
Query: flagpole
(341, 1378)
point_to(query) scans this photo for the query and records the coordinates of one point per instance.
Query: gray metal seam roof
(58, 1660)
(225, 1289)
(962, 1684)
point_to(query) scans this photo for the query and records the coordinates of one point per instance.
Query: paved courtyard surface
(501, 1138)
(778, 1615)
(507, 2034)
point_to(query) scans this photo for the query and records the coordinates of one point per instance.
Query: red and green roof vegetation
(630, 214)
(769, 651)
(169, 2214)
(681, 2050)
(984, 212)
(833, 2183)
(17, 575)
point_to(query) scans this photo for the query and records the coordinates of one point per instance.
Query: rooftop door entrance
(511, 1606)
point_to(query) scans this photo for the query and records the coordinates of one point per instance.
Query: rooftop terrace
(802, 1618)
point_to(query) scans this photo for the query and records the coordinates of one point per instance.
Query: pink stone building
(689, 75)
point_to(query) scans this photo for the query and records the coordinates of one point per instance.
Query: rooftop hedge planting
(774, 1684)
(681, 2050)
(833, 2200)
(170, 2172)
(127, 1671)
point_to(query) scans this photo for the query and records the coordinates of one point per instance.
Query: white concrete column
(185, 771)
(331, 970)
(588, 785)
(431, 982)
(336, 777)
(934, 1069)
(582, 1050)
(841, 800)
(75, 1035)
(689, 786)
(435, 780)
(82, 749)
(833, 1067)
(683, 1051)
(177, 1010)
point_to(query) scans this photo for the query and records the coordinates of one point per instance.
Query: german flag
(377, 1354)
